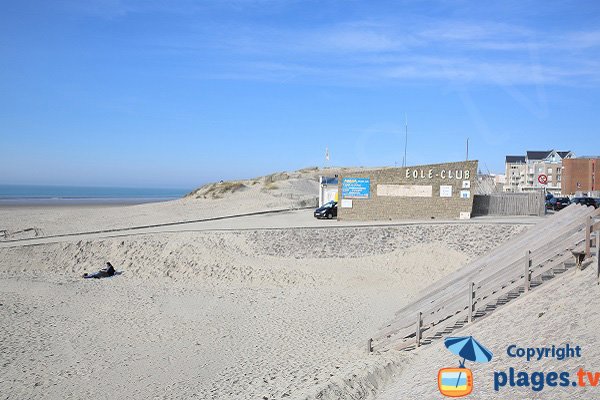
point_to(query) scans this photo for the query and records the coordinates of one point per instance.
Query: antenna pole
(467, 149)
(405, 139)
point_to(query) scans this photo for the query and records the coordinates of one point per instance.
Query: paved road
(296, 219)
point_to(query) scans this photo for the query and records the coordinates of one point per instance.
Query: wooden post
(527, 270)
(370, 345)
(598, 256)
(419, 322)
(471, 295)
(588, 232)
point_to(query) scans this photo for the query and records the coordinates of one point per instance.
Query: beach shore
(236, 314)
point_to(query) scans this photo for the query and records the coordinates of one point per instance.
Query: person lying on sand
(109, 270)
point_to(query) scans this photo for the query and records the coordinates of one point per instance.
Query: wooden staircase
(545, 251)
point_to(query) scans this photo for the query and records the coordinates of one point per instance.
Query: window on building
(549, 170)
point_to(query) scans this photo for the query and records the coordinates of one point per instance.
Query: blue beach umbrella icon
(469, 349)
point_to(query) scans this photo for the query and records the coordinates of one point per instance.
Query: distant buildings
(581, 175)
(523, 172)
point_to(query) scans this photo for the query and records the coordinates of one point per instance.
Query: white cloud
(359, 52)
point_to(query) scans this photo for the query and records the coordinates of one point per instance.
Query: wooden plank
(527, 274)
(588, 233)
(418, 330)
(471, 295)
(598, 257)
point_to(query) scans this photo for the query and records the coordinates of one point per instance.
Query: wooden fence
(509, 204)
(545, 250)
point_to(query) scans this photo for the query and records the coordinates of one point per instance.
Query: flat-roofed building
(515, 173)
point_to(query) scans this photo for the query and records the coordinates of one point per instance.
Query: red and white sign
(543, 179)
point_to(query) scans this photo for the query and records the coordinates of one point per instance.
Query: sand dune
(218, 315)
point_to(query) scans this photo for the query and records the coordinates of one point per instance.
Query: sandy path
(279, 219)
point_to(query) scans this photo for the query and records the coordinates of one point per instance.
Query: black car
(558, 203)
(327, 210)
(585, 201)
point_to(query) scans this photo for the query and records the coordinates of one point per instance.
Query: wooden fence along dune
(522, 263)
(510, 204)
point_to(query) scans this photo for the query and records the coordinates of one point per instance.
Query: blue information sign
(356, 188)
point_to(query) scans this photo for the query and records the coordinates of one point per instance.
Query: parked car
(558, 203)
(585, 201)
(327, 210)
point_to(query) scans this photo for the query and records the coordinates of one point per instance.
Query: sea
(31, 195)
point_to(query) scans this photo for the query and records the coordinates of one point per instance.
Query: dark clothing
(103, 273)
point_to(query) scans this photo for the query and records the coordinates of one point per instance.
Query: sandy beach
(273, 200)
(237, 314)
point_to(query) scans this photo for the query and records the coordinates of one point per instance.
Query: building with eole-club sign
(419, 192)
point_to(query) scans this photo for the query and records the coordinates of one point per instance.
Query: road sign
(543, 179)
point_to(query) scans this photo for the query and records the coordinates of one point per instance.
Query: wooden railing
(483, 285)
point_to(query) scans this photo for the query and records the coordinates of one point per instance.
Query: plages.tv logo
(458, 382)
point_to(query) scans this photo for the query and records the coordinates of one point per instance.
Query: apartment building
(523, 172)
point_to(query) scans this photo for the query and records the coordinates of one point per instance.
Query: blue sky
(178, 93)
